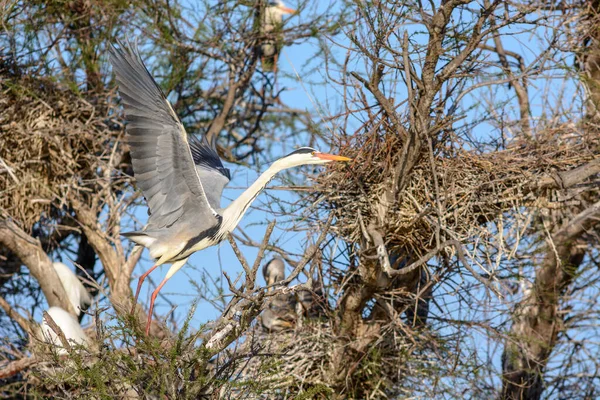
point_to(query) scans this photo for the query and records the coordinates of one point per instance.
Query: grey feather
(213, 175)
(162, 159)
(206, 156)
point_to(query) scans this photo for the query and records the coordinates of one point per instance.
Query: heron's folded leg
(139, 286)
(174, 268)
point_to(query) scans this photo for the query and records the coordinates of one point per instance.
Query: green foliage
(124, 362)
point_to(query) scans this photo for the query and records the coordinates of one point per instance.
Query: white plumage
(77, 293)
(68, 324)
(271, 26)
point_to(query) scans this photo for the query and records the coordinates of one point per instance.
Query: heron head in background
(274, 271)
(277, 6)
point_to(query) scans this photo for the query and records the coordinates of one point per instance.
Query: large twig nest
(378, 362)
(473, 187)
(52, 143)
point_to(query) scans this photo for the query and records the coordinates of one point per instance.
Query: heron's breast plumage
(207, 238)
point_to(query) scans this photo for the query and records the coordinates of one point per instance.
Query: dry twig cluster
(474, 187)
(53, 145)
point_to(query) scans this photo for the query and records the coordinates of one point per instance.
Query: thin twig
(19, 319)
(263, 247)
(309, 254)
(61, 335)
(239, 255)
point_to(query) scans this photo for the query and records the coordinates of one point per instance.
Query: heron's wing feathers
(206, 156)
(213, 175)
(213, 183)
(161, 157)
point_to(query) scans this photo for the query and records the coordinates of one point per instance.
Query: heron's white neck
(273, 17)
(236, 210)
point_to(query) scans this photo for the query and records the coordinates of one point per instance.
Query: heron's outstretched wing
(213, 175)
(161, 157)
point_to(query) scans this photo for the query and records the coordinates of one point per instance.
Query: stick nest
(301, 362)
(473, 187)
(52, 143)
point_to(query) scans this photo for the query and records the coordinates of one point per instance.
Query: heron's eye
(313, 153)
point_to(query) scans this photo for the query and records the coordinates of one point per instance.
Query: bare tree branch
(36, 260)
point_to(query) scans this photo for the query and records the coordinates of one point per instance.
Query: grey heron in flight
(181, 176)
(272, 25)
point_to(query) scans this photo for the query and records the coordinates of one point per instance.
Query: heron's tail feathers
(269, 63)
(141, 238)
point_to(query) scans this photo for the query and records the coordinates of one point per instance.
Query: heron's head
(278, 7)
(308, 155)
(276, 323)
(274, 271)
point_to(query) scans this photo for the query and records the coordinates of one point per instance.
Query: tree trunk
(537, 319)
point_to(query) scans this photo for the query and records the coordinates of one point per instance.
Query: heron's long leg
(139, 286)
(174, 268)
(152, 299)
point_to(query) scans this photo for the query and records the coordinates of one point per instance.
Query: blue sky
(210, 263)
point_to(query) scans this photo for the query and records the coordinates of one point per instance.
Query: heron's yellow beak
(287, 10)
(332, 157)
(284, 324)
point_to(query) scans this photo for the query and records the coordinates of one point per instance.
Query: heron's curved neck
(236, 210)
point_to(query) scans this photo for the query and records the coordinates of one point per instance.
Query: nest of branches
(448, 188)
(303, 361)
(52, 142)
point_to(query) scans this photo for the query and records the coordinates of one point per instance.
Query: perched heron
(78, 295)
(313, 303)
(181, 176)
(274, 271)
(67, 324)
(280, 314)
(271, 26)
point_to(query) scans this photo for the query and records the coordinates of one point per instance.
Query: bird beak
(285, 324)
(331, 157)
(287, 10)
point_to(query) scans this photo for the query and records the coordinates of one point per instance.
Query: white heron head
(307, 156)
(275, 11)
(279, 7)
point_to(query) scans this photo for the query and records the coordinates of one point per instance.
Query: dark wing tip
(225, 172)
(205, 155)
